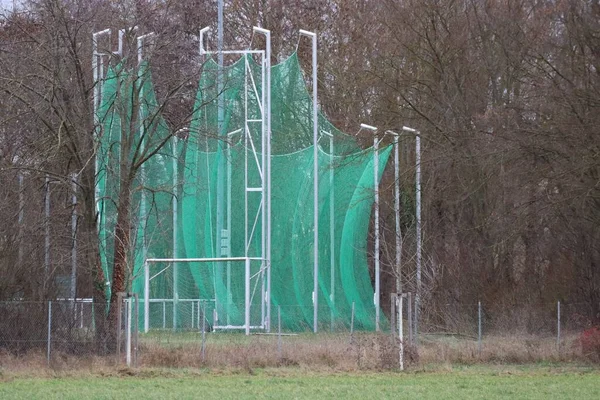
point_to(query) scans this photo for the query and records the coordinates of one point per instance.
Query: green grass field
(459, 383)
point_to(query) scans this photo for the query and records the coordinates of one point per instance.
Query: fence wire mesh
(453, 332)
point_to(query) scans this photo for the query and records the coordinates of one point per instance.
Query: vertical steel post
(352, 324)
(393, 312)
(147, 296)
(203, 330)
(142, 212)
(400, 330)
(419, 236)
(267, 168)
(479, 327)
(47, 232)
(97, 73)
(49, 335)
(21, 217)
(331, 232)
(175, 234)
(409, 313)
(558, 326)
(315, 116)
(377, 267)
(221, 142)
(397, 215)
(128, 332)
(73, 288)
(247, 297)
(136, 330)
(279, 344)
(316, 183)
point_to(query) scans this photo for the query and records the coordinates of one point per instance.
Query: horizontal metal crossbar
(214, 259)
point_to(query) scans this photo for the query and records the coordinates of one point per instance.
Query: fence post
(128, 333)
(198, 316)
(136, 329)
(203, 330)
(410, 320)
(400, 332)
(558, 327)
(119, 324)
(479, 327)
(279, 346)
(393, 300)
(49, 338)
(352, 324)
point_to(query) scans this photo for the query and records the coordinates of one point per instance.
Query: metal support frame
(331, 230)
(377, 294)
(418, 227)
(47, 232)
(313, 37)
(175, 200)
(261, 163)
(21, 218)
(398, 237)
(142, 212)
(247, 280)
(267, 90)
(73, 288)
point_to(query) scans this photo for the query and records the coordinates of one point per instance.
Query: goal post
(247, 286)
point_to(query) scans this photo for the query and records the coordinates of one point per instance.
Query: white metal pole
(73, 289)
(377, 271)
(313, 36)
(247, 297)
(128, 333)
(376, 296)
(140, 44)
(397, 215)
(21, 217)
(418, 218)
(47, 232)
(419, 236)
(332, 232)
(49, 335)
(147, 296)
(221, 143)
(558, 326)
(401, 330)
(97, 73)
(175, 236)
(267, 173)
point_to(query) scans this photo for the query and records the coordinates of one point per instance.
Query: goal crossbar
(246, 261)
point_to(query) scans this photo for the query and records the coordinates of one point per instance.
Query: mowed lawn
(469, 383)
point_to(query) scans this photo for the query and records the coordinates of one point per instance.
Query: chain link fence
(475, 332)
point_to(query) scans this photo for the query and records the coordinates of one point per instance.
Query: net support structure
(315, 117)
(98, 77)
(377, 294)
(142, 212)
(267, 90)
(246, 260)
(377, 267)
(418, 218)
(252, 160)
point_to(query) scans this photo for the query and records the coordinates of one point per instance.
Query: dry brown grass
(331, 352)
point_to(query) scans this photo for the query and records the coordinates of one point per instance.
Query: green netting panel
(345, 172)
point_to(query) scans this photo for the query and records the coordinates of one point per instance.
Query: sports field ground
(476, 382)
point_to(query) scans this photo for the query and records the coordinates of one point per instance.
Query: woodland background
(506, 94)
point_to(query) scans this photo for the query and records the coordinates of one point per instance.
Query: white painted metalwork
(418, 218)
(313, 37)
(377, 294)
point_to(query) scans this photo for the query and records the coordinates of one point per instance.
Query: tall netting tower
(225, 209)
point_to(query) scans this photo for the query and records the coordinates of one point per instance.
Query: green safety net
(200, 196)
